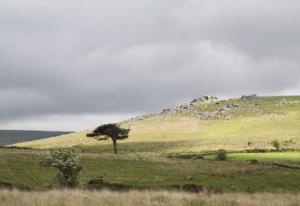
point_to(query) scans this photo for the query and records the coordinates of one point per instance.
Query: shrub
(192, 188)
(221, 155)
(96, 183)
(253, 161)
(276, 143)
(68, 165)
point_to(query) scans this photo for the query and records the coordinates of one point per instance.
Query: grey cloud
(261, 28)
(85, 57)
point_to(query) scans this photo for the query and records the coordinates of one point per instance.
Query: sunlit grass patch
(268, 156)
(261, 156)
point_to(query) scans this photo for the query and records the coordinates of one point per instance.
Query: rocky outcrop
(189, 106)
(194, 107)
(251, 96)
(283, 102)
(219, 113)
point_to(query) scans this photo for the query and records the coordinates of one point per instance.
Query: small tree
(112, 131)
(68, 165)
(276, 143)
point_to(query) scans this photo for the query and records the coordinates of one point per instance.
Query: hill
(204, 124)
(8, 137)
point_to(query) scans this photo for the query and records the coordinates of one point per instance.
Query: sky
(74, 64)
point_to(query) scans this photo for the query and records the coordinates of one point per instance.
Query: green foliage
(253, 161)
(112, 131)
(277, 144)
(97, 183)
(221, 155)
(68, 165)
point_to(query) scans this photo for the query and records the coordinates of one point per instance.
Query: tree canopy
(112, 131)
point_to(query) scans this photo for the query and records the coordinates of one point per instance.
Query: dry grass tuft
(141, 198)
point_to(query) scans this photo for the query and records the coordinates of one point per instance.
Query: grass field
(22, 169)
(163, 151)
(142, 198)
(293, 156)
(270, 156)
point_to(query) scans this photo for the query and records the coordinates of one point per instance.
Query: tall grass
(141, 198)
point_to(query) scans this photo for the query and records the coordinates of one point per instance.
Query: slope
(205, 124)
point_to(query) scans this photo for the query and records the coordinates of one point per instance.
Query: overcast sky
(74, 64)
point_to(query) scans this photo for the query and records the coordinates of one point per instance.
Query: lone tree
(112, 131)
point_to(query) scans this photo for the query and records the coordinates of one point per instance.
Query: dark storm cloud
(84, 57)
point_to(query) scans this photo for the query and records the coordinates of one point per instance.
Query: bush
(253, 161)
(96, 183)
(68, 165)
(276, 143)
(221, 155)
(192, 188)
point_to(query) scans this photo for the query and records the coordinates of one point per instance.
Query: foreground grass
(142, 198)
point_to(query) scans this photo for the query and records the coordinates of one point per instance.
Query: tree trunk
(115, 146)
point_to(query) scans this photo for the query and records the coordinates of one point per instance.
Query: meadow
(174, 150)
(22, 169)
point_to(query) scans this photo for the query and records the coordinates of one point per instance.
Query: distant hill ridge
(8, 137)
(194, 108)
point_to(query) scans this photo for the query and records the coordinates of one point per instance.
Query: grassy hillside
(177, 147)
(8, 137)
(209, 124)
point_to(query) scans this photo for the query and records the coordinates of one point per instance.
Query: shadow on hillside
(10, 186)
(136, 147)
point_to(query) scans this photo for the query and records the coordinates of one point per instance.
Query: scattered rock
(251, 96)
(219, 113)
(193, 107)
(282, 102)
(189, 106)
